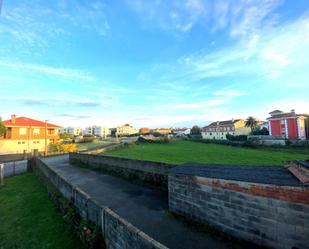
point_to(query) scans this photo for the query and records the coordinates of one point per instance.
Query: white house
(179, 132)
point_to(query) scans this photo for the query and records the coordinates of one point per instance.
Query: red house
(287, 124)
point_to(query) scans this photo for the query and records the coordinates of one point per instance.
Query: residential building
(88, 131)
(26, 134)
(126, 130)
(144, 130)
(287, 124)
(74, 131)
(162, 131)
(182, 131)
(101, 131)
(219, 129)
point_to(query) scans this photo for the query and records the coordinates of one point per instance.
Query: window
(282, 122)
(22, 131)
(36, 131)
(23, 142)
(19, 142)
(50, 131)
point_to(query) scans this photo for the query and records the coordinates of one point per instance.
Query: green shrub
(236, 138)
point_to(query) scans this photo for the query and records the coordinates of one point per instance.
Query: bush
(87, 139)
(61, 148)
(259, 131)
(159, 140)
(237, 137)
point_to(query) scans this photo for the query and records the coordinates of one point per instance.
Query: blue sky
(153, 63)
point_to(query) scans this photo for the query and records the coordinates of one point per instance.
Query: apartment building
(26, 134)
(126, 130)
(288, 124)
(74, 131)
(101, 131)
(219, 129)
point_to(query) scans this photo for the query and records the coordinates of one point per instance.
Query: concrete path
(144, 207)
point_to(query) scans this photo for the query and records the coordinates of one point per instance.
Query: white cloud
(53, 71)
(36, 27)
(229, 93)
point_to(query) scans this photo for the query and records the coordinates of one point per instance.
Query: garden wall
(275, 215)
(117, 232)
(154, 173)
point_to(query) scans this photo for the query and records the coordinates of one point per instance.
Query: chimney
(13, 118)
(293, 111)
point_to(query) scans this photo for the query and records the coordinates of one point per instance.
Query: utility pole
(46, 137)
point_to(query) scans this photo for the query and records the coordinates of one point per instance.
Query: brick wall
(269, 215)
(117, 232)
(151, 172)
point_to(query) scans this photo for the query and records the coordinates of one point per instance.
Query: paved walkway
(144, 207)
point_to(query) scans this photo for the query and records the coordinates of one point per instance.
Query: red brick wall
(290, 194)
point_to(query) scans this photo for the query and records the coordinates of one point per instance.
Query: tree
(252, 123)
(307, 127)
(195, 130)
(2, 128)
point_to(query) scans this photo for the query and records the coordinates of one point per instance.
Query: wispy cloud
(229, 93)
(242, 18)
(48, 70)
(35, 27)
(170, 15)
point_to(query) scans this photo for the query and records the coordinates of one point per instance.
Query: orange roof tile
(26, 122)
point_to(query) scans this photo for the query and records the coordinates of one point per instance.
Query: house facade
(126, 130)
(287, 124)
(162, 131)
(25, 135)
(219, 129)
(144, 130)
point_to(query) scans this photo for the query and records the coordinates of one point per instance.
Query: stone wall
(269, 215)
(117, 232)
(154, 173)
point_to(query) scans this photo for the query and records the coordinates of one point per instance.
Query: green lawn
(193, 152)
(95, 143)
(28, 219)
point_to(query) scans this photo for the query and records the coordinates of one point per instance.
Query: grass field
(193, 152)
(95, 143)
(28, 219)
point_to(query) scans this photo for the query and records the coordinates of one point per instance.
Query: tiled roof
(226, 122)
(287, 114)
(26, 122)
(276, 111)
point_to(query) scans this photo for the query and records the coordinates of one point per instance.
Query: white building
(182, 131)
(75, 131)
(126, 130)
(101, 131)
